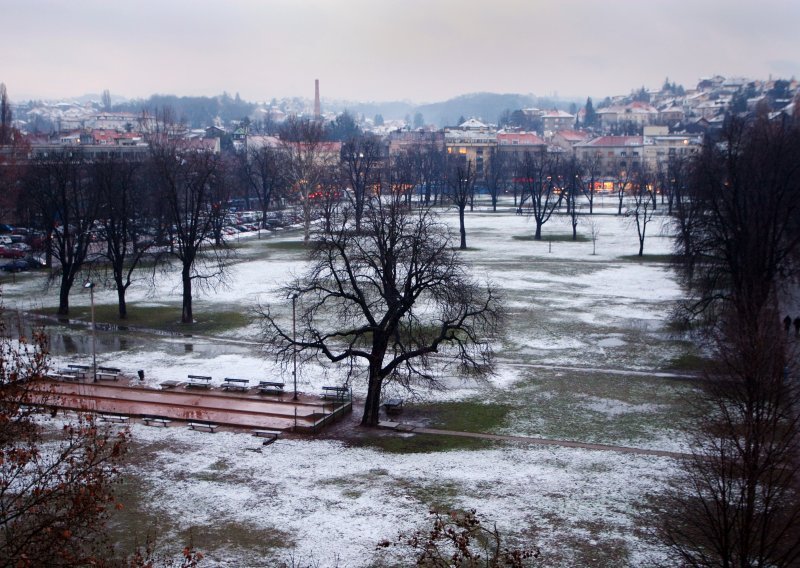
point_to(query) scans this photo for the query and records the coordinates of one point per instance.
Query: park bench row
(229, 383)
(263, 387)
(75, 372)
(270, 435)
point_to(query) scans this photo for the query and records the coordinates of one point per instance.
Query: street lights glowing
(90, 286)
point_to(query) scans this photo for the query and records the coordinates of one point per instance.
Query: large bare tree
(537, 174)
(640, 208)
(65, 203)
(307, 162)
(361, 164)
(460, 178)
(737, 249)
(496, 173)
(125, 214)
(263, 169)
(394, 300)
(188, 179)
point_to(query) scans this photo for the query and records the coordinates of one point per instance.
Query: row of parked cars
(14, 247)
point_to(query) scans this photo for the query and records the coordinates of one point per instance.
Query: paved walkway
(224, 408)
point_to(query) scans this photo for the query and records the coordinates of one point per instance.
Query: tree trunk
(123, 307)
(462, 229)
(186, 315)
(538, 235)
(372, 405)
(63, 298)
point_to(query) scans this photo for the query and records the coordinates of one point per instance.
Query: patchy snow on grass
(612, 407)
(573, 317)
(338, 501)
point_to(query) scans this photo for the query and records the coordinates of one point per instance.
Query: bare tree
(66, 207)
(361, 162)
(460, 179)
(739, 223)
(428, 158)
(737, 502)
(264, 172)
(394, 296)
(496, 173)
(536, 174)
(592, 167)
(640, 206)
(187, 178)
(572, 188)
(307, 161)
(124, 212)
(741, 506)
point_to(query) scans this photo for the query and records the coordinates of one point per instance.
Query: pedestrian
(797, 326)
(787, 323)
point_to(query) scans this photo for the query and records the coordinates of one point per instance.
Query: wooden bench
(63, 376)
(78, 370)
(393, 406)
(270, 435)
(199, 381)
(154, 420)
(108, 373)
(267, 387)
(229, 383)
(114, 418)
(337, 393)
(105, 376)
(203, 426)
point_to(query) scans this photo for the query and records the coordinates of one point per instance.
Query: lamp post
(294, 342)
(90, 286)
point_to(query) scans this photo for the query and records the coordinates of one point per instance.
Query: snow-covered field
(585, 336)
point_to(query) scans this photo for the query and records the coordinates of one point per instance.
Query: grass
(165, 319)
(466, 416)
(688, 362)
(554, 238)
(420, 443)
(286, 245)
(596, 407)
(667, 258)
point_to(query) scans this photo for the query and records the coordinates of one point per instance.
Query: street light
(294, 342)
(90, 286)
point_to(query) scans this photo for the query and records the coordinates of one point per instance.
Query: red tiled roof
(522, 138)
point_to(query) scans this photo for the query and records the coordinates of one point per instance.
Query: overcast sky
(378, 50)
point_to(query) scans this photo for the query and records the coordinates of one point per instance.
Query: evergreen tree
(590, 115)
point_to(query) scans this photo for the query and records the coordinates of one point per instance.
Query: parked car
(11, 251)
(19, 265)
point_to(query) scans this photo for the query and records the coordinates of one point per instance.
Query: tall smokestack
(317, 111)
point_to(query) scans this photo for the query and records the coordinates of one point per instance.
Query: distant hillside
(486, 107)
